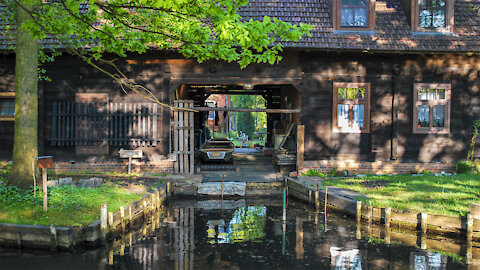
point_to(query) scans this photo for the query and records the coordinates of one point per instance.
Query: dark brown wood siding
(391, 106)
(70, 76)
(7, 84)
(391, 120)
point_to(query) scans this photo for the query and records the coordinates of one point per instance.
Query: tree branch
(115, 17)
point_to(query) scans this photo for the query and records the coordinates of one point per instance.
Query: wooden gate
(183, 137)
(86, 124)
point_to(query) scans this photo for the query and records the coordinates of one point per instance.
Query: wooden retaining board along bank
(458, 225)
(52, 237)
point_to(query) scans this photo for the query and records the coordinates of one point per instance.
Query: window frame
(449, 18)
(351, 102)
(338, 16)
(3, 96)
(446, 102)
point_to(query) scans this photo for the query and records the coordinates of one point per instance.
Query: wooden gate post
(183, 136)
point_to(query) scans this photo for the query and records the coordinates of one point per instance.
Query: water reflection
(247, 235)
(427, 261)
(247, 224)
(346, 259)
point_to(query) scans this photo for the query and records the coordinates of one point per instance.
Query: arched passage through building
(218, 108)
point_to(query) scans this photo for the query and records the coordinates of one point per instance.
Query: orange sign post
(44, 163)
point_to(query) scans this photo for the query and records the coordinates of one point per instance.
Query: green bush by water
(467, 166)
(312, 172)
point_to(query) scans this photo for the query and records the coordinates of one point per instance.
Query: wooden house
(380, 86)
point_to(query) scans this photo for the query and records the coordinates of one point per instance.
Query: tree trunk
(26, 103)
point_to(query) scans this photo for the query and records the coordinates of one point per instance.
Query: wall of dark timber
(7, 84)
(311, 74)
(391, 119)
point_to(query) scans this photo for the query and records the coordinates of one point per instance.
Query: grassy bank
(450, 195)
(67, 205)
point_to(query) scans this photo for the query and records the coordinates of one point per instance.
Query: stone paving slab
(229, 188)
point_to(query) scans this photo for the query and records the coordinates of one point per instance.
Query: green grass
(67, 205)
(449, 195)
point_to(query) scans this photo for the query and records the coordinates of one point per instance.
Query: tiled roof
(392, 32)
(392, 29)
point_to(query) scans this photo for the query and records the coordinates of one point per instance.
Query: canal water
(241, 234)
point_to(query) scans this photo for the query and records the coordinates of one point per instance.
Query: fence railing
(76, 124)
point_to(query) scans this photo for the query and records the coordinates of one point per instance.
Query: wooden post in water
(110, 221)
(152, 200)
(424, 227)
(474, 214)
(145, 209)
(325, 210)
(103, 221)
(423, 241)
(469, 227)
(424, 222)
(369, 214)
(122, 217)
(358, 233)
(388, 233)
(110, 255)
(388, 216)
(122, 245)
(169, 186)
(157, 197)
(317, 200)
(130, 223)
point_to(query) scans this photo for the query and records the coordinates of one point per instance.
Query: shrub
(333, 171)
(314, 173)
(5, 170)
(466, 166)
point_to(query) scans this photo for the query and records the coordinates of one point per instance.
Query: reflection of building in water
(345, 259)
(212, 232)
(165, 246)
(420, 260)
(247, 224)
(183, 238)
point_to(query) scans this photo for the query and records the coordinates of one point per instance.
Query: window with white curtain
(351, 103)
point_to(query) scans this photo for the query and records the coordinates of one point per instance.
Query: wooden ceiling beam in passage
(205, 109)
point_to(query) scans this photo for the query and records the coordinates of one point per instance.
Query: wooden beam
(205, 109)
(280, 146)
(300, 146)
(7, 94)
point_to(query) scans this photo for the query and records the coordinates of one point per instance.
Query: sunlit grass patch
(450, 194)
(67, 205)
